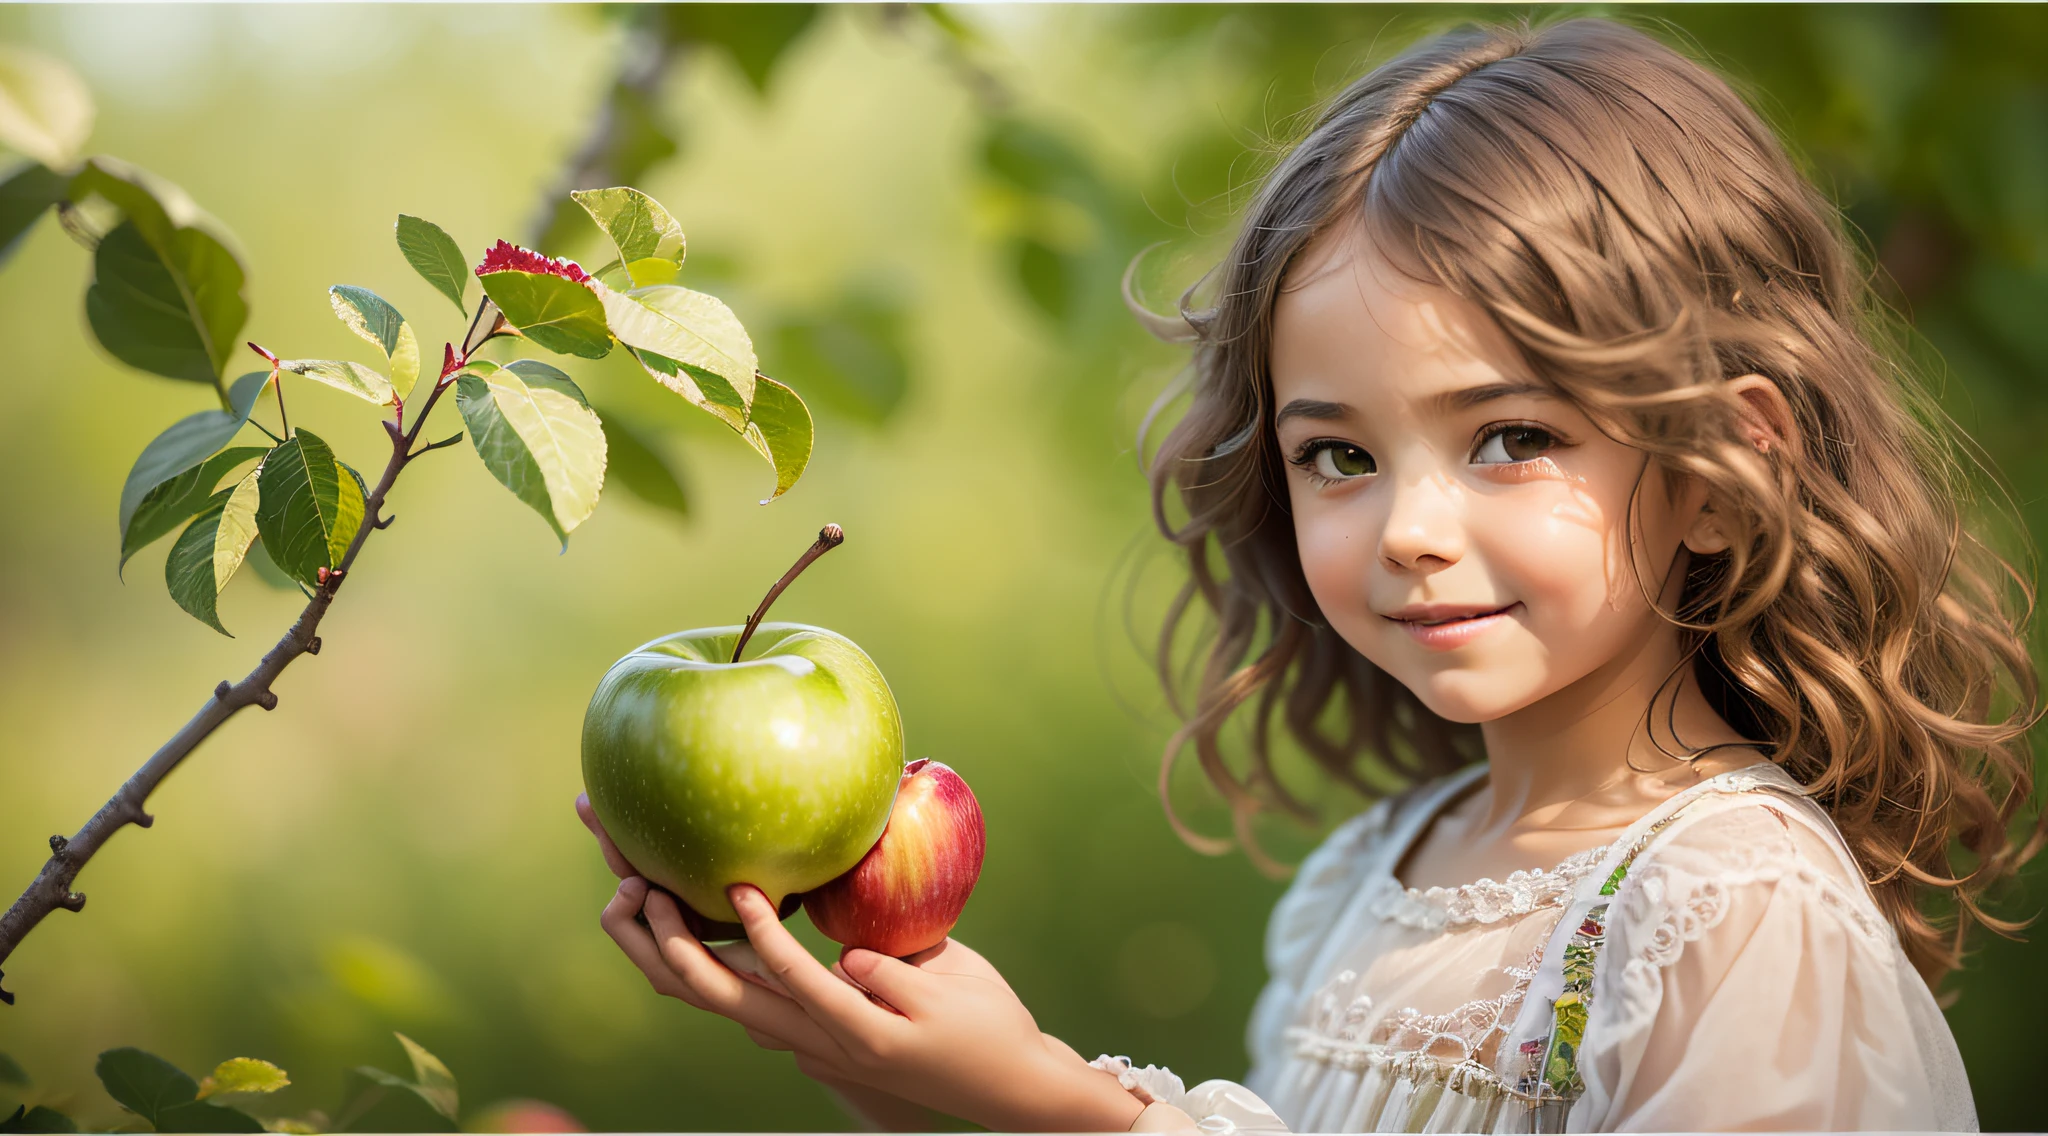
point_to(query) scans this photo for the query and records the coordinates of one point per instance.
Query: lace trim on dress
(1486, 901)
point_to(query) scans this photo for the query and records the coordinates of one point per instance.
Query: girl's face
(1462, 528)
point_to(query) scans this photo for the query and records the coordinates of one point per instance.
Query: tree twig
(51, 889)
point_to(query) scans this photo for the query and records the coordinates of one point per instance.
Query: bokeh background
(922, 215)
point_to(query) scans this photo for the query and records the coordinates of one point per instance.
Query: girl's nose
(1425, 528)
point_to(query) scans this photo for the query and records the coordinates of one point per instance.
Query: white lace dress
(1720, 966)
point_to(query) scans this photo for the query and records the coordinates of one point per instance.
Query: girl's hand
(948, 1034)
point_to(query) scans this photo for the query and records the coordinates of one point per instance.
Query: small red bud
(449, 364)
(265, 354)
(320, 575)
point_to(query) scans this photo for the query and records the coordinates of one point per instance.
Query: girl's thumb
(892, 980)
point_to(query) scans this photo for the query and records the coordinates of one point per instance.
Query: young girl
(1542, 471)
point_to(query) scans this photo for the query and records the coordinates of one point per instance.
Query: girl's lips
(1456, 632)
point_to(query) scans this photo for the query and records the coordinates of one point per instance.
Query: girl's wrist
(1080, 1099)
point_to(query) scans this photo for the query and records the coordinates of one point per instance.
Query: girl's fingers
(635, 940)
(723, 992)
(767, 1042)
(841, 1009)
(612, 858)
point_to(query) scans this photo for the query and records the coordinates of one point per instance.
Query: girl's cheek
(1556, 557)
(1336, 553)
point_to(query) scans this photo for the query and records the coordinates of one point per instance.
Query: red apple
(907, 892)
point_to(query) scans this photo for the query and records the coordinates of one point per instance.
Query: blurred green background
(922, 217)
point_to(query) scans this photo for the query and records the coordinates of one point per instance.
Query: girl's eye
(1509, 444)
(1335, 461)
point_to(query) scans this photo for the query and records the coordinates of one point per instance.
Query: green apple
(777, 770)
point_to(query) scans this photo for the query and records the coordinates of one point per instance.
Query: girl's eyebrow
(1448, 402)
(1465, 398)
(1312, 408)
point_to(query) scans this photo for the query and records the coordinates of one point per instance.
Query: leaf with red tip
(508, 257)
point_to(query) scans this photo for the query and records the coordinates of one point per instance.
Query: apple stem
(829, 538)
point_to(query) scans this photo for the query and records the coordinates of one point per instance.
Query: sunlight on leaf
(343, 375)
(780, 430)
(688, 327)
(379, 324)
(538, 436)
(243, 1075)
(46, 111)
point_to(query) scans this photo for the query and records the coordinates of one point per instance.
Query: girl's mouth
(1445, 633)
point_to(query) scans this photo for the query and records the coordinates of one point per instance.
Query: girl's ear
(1766, 423)
(1766, 416)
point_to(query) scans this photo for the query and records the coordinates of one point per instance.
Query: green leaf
(304, 513)
(179, 285)
(702, 389)
(376, 1101)
(206, 1116)
(158, 207)
(634, 462)
(188, 442)
(344, 375)
(757, 38)
(555, 312)
(436, 257)
(189, 569)
(780, 430)
(436, 1085)
(538, 436)
(649, 241)
(369, 316)
(11, 1072)
(243, 1075)
(689, 327)
(25, 196)
(144, 1083)
(172, 312)
(38, 1119)
(173, 502)
(46, 110)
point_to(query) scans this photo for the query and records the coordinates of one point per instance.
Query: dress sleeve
(1748, 982)
(1302, 921)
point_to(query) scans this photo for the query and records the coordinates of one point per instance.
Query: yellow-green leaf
(435, 1083)
(699, 387)
(538, 436)
(348, 512)
(341, 374)
(379, 324)
(642, 231)
(243, 1075)
(780, 430)
(689, 327)
(237, 530)
(46, 110)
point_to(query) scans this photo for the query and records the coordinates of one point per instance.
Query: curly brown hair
(1641, 236)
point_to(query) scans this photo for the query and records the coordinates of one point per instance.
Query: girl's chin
(1475, 696)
